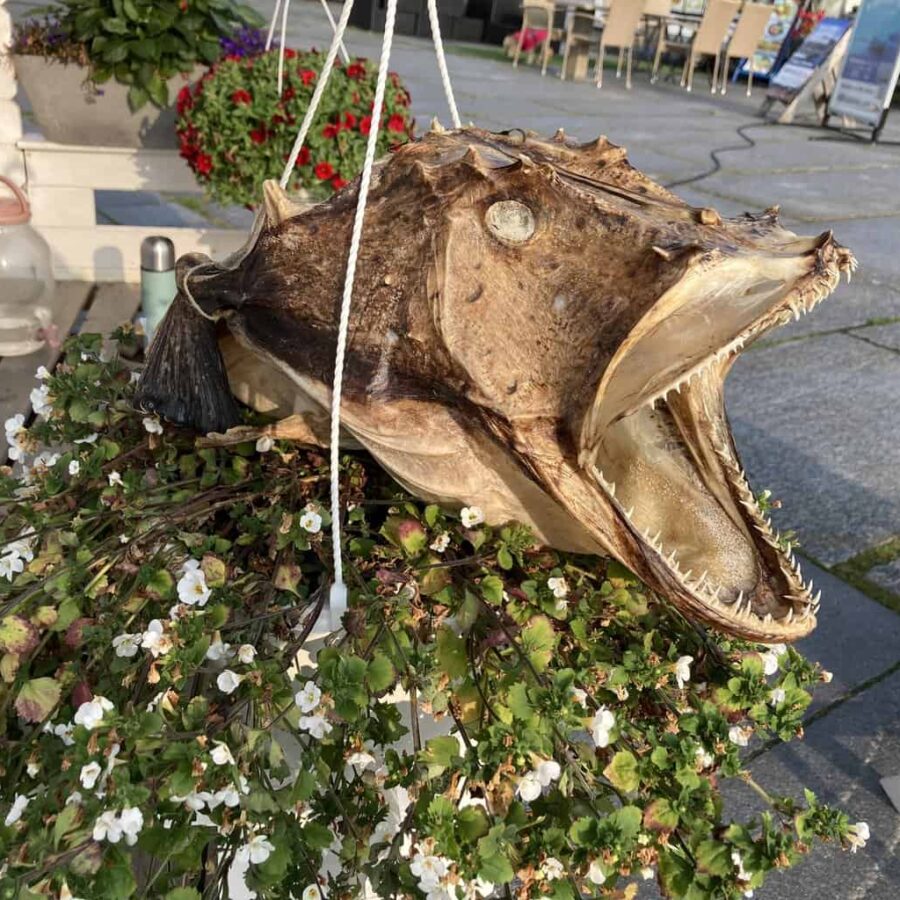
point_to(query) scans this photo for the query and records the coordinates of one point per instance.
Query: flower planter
(70, 111)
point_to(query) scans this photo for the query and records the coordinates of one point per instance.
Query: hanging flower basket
(236, 130)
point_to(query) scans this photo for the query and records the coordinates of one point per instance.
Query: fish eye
(510, 221)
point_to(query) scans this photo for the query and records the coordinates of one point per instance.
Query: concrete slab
(842, 759)
(816, 422)
(886, 335)
(887, 576)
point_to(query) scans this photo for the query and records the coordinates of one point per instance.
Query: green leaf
(439, 754)
(38, 698)
(17, 635)
(68, 819)
(660, 816)
(676, 874)
(137, 97)
(380, 674)
(628, 820)
(492, 589)
(493, 860)
(583, 831)
(473, 823)
(183, 893)
(518, 702)
(504, 558)
(714, 858)
(539, 642)
(623, 771)
(451, 652)
(431, 515)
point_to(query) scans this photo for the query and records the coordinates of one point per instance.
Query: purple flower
(245, 41)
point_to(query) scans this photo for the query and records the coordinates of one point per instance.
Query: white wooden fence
(60, 180)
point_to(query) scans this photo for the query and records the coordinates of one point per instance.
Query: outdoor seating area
(663, 34)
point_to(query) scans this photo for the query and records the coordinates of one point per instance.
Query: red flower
(303, 156)
(356, 70)
(288, 93)
(258, 135)
(203, 163)
(307, 76)
(288, 53)
(396, 123)
(324, 171)
(349, 120)
(365, 124)
(337, 182)
(233, 57)
(241, 96)
(185, 101)
(331, 130)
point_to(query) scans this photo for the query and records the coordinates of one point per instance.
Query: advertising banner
(807, 59)
(869, 76)
(777, 30)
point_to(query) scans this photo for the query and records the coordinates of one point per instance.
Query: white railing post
(12, 163)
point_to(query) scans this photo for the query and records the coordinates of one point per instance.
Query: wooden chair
(580, 38)
(748, 32)
(709, 39)
(618, 31)
(656, 15)
(538, 14)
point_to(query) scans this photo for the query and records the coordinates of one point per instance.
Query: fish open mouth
(662, 450)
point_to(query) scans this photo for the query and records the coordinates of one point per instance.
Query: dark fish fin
(184, 380)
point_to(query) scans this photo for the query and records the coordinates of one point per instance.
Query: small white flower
(778, 649)
(218, 651)
(558, 587)
(739, 736)
(152, 425)
(228, 681)
(647, 873)
(195, 801)
(529, 787)
(10, 566)
(32, 769)
(596, 873)
(108, 828)
(259, 848)
(776, 696)
(221, 755)
(552, 869)
(131, 821)
(704, 758)
(683, 670)
(311, 892)
(311, 521)
(20, 801)
(547, 771)
(91, 712)
(360, 760)
(192, 588)
(857, 835)
(429, 869)
(770, 663)
(40, 401)
(246, 653)
(90, 439)
(64, 732)
(471, 516)
(115, 478)
(227, 795)
(74, 799)
(308, 697)
(264, 444)
(126, 645)
(74, 467)
(579, 696)
(89, 775)
(440, 543)
(602, 723)
(317, 726)
(826, 677)
(155, 639)
(738, 861)
(42, 373)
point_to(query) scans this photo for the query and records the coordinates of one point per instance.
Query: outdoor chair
(656, 22)
(748, 32)
(707, 41)
(538, 15)
(618, 32)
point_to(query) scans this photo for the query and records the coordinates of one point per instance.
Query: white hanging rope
(284, 15)
(345, 56)
(271, 33)
(338, 598)
(317, 93)
(441, 61)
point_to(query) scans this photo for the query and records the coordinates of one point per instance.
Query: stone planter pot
(69, 111)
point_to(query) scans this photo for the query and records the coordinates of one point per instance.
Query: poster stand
(862, 133)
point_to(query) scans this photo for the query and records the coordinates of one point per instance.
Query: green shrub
(159, 735)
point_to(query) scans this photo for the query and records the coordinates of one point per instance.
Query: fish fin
(184, 380)
(300, 429)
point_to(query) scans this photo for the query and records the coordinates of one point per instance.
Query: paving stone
(887, 575)
(816, 422)
(888, 335)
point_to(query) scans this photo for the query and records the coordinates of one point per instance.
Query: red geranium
(185, 100)
(289, 54)
(396, 123)
(324, 171)
(356, 70)
(337, 182)
(303, 156)
(241, 96)
(349, 120)
(331, 130)
(288, 94)
(203, 163)
(258, 135)
(365, 124)
(307, 76)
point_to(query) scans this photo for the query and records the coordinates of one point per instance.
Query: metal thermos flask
(157, 281)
